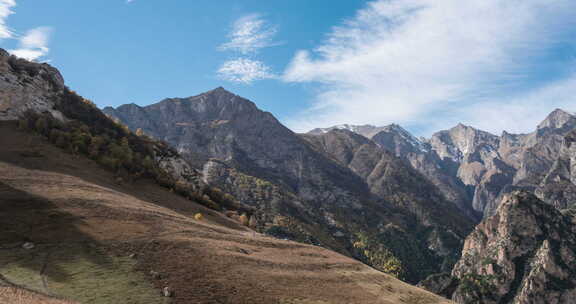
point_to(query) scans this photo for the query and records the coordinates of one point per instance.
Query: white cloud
(244, 70)
(28, 54)
(36, 38)
(33, 45)
(5, 11)
(405, 60)
(250, 34)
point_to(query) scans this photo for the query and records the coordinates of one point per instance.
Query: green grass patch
(79, 272)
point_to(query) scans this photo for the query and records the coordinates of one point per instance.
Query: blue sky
(426, 64)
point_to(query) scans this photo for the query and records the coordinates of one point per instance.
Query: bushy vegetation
(116, 150)
(91, 133)
(375, 254)
(478, 287)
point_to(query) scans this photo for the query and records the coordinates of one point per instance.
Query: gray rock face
(474, 169)
(480, 167)
(524, 254)
(386, 175)
(343, 183)
(420, 155)
(558, 186)
(175, 165)
(27, 86)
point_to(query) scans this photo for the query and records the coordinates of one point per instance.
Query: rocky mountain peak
(461, 126)
(367, 130)
(394, 128)
(556, 120)
(395, 138)
(388, 136)
(464, 130)
(462, 140)
(219, 91)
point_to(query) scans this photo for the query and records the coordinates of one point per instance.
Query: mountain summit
(301, 179)
(556, 120)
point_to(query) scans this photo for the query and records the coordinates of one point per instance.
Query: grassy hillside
(96, 241)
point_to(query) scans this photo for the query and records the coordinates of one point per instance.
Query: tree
(244, 220)
(147, 163)
(80, 141)
(96, 144)
(127, 153)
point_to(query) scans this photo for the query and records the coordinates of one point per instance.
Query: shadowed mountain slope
(307, 193)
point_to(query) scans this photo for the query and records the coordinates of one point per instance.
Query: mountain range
(474, 168)
(182, 192)
(334, 189)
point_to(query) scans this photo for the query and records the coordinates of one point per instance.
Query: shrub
(244, 220)
(198, 216)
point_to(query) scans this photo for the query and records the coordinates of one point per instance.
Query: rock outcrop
(524, 254)
(27, 86)
(558, 187)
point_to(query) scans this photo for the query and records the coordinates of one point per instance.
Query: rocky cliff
(27, 86)
(440, 171)
(558, 187)
(524, 253)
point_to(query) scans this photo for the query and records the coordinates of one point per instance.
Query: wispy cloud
(250, 34)
(244, 71)
(408, 60)
(33, 45)
(5, 11)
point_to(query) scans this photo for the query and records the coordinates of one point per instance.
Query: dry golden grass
(59, 200)
(12, 295)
